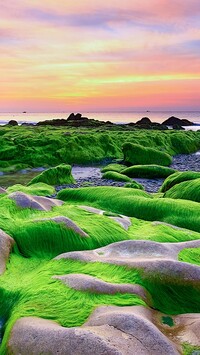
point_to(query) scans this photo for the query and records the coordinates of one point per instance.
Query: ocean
(116, 117)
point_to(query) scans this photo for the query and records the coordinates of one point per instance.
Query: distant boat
(147, 111)
(24, 111)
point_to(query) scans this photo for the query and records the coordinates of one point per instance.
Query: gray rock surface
(68, 223)
(92, 284)
(111, 332)
(36, 202)
(153, 258)
(124, 221)
(6, 244)
(2, 191)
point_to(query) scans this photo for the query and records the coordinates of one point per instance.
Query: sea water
(115, 117)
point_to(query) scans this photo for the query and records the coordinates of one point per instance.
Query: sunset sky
(95, 55)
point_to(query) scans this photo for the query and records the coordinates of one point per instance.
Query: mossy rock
(113, 175)
(178, 177)
(148, 171)
(58, 175)
(190, 255)
(186, 190)
(39, 189)
(135, 154)
(134, 185)
(113, 167)
(137, 203)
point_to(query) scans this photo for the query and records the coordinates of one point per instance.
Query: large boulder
(13, 123)
(148, 171)
(111, 330)
(186, 190)
(144, 121)
(76, 117)
(58, 175)
(135, 154)
(175, 121)
(178, 177)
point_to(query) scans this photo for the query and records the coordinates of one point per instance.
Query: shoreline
(90, 175)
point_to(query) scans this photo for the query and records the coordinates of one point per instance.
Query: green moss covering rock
(139, 204)
(40, 189)
(186, 190)
(113, 167)
(134, 185)
(135, 154)
(178, 177)
(44, 146)
(58, 175)
(190, 255)
(113, 175)
(148, 171)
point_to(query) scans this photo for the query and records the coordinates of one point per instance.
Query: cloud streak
(84, 52)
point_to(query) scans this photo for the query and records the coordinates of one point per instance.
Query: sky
(94, 55)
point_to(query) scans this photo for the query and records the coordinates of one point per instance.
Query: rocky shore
(91, 176)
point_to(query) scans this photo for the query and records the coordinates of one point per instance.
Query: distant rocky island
(77, 120)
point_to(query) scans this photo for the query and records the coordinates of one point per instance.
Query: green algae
(51, 146)
(135, 154)
(137, 203)
(113, 167)
(187, 190)
(58, 175)
(113, 175)
(178, 177)
(148, 171)
(28, 289)
(40, 189)
(189, 349)
(190, 255)
(134, 185)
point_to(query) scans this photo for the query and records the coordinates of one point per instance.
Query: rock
(188, 328)
(68, 223)
(145, 121)
(92, 284)
(36, 202)
(6, 244)
(12, 123)
(2, 191)
(178, 127)
(123, 333)
(92, 210)
(60, 174)
(76, 117)
(124, 221)
(137, 322)
(155, 259)
(38, 336)
(54, 122)
(175, 121)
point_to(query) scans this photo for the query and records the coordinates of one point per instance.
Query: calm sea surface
(117, 117)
